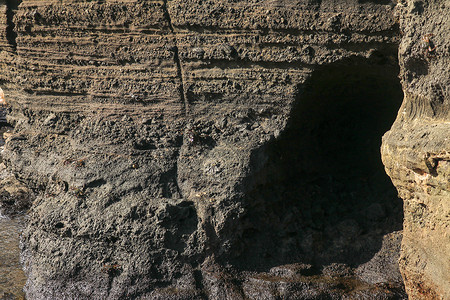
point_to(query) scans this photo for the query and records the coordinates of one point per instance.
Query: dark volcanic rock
(192, 149)
(15, 197)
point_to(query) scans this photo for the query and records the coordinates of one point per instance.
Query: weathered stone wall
(141, 126)
(416, 149)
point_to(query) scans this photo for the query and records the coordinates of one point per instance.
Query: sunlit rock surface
(416, 151)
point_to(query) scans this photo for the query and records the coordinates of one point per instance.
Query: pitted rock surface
(416, 150)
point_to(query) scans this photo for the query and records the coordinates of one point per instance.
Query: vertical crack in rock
(11, 35)
(198, 277)
(183, 93)
(184, 98)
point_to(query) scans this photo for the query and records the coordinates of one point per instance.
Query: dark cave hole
(323, 196)
(11, 35)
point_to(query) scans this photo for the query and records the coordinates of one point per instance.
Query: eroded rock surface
(194, 149)
(416, 149)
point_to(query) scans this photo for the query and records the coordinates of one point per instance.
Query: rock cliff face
(416, 149)
(226, 149)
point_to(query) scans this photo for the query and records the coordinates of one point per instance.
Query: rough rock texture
(14, 195)
(209, 149)
(416, 151)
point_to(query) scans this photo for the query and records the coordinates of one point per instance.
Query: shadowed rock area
(223, 149)
(322, 196)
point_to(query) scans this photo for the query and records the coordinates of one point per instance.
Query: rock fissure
(11, 35)
(176, 56)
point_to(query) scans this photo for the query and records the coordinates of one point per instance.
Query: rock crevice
(176, 57)
(11, 35)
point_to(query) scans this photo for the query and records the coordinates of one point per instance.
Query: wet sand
(12, 278)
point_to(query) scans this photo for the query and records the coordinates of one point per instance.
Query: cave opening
(11, 35)
(323, 196)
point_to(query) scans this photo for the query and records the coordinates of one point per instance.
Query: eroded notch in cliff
(11, 35)
(323, 196)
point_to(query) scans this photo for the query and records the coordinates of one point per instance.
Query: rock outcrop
(221, 149)
(416, 149)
